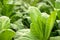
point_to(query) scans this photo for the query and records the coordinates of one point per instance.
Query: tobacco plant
(40, 27)
(5, 32)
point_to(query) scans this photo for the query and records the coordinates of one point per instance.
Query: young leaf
(49, 24)
(6, 34)
(36, 26)
(41, 26)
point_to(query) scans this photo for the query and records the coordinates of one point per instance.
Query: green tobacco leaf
(57, 4)
(41, 26)
(6, 34)
(4, 22)
(36, 26)
(34, 13)
(23, 34)
(49, 24)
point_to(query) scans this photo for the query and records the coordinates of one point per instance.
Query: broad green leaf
(34, 13)
(45, 16)
(49, 24)
(4, 22)
(41, 26)
(36, 26)
(6, 34)
(23, 34)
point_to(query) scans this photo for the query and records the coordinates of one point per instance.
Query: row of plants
(29, 20)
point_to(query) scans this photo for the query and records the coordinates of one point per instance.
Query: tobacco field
(29, 19)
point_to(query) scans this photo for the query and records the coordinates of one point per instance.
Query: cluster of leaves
(17, 15)
(46, 7)
(5, 32)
